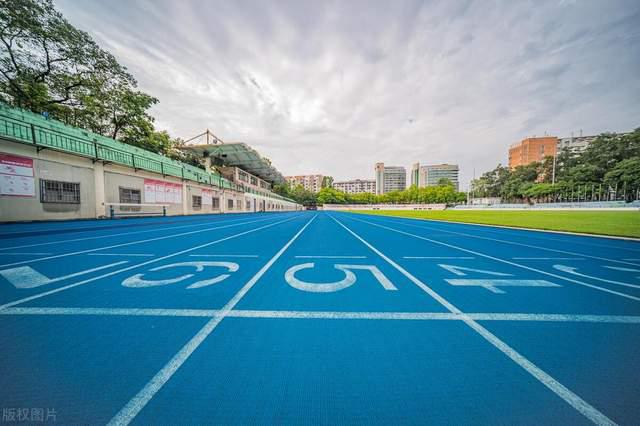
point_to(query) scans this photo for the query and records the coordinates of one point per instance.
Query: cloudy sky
(334, 87)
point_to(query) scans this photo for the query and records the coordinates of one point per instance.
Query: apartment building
(390, 178)
(356, 186)
(311, 183)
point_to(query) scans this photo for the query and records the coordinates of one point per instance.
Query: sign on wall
(16, 176)
(158, 191)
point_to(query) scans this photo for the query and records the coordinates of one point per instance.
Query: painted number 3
(137, 281)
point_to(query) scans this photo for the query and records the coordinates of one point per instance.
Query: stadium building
(49, 170)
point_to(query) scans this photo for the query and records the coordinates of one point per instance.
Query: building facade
(430, 175)
(356, 186)
(575, 144)
(390, 178)
(531, 150)
(311, 183)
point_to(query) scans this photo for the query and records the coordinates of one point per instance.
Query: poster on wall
(157, 191)
(207, 197)
(16, 176)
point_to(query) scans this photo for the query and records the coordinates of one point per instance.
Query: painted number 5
(137, 281)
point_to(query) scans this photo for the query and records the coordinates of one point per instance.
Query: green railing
(26, 127)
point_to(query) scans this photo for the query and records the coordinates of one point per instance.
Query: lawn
(618, 223)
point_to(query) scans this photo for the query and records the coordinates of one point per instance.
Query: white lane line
(122, 254)
(573, 271)
(154, 229)
(138, 402)
(225, 255)
(147, 312)
(330, 257)
(502, 241)
(547, 258)
(25, 254)
(439, 257)
(26, 277)
(130, 243)
(154, 260)
(341, 315)
(593, 286)
(632, 260)
(555, 386)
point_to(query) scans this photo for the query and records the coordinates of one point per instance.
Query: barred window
(130, 196)
(196, 202)
(53, 191)
(230, 204)
(216, 202)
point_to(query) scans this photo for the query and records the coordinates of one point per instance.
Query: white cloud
(333, 87)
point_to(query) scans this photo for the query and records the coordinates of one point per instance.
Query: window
(53, 191)
(215, 203)
(129, 196)
(254, 181)
(196, 202)
(248, 205)
(230, 204)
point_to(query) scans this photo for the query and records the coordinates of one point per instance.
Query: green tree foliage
(327, 182)
(47, 65)
(612, 159)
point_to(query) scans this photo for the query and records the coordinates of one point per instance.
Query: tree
(327, 182)
(47, 65)
(625, 176)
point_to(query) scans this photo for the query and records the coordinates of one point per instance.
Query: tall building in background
(311, 183)
(532, 149)
(390, 178)
(430, 175)
(356, 186)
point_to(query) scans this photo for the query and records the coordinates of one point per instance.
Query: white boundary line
(606, 290)
(556, 387)
(164, 237)
(339, 315)
(140, 400)
(154, 229)
(402, 221)
(158, 259)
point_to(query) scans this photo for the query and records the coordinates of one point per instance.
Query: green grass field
(618, 223)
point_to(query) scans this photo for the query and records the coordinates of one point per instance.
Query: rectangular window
(230, 204)
(130, 196)
(215, 203)
(196, 202)
(254, 181)
(248, 205)
(53, 191)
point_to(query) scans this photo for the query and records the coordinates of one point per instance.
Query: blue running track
(316, 318)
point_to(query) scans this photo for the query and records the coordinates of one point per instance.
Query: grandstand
(54, 171)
